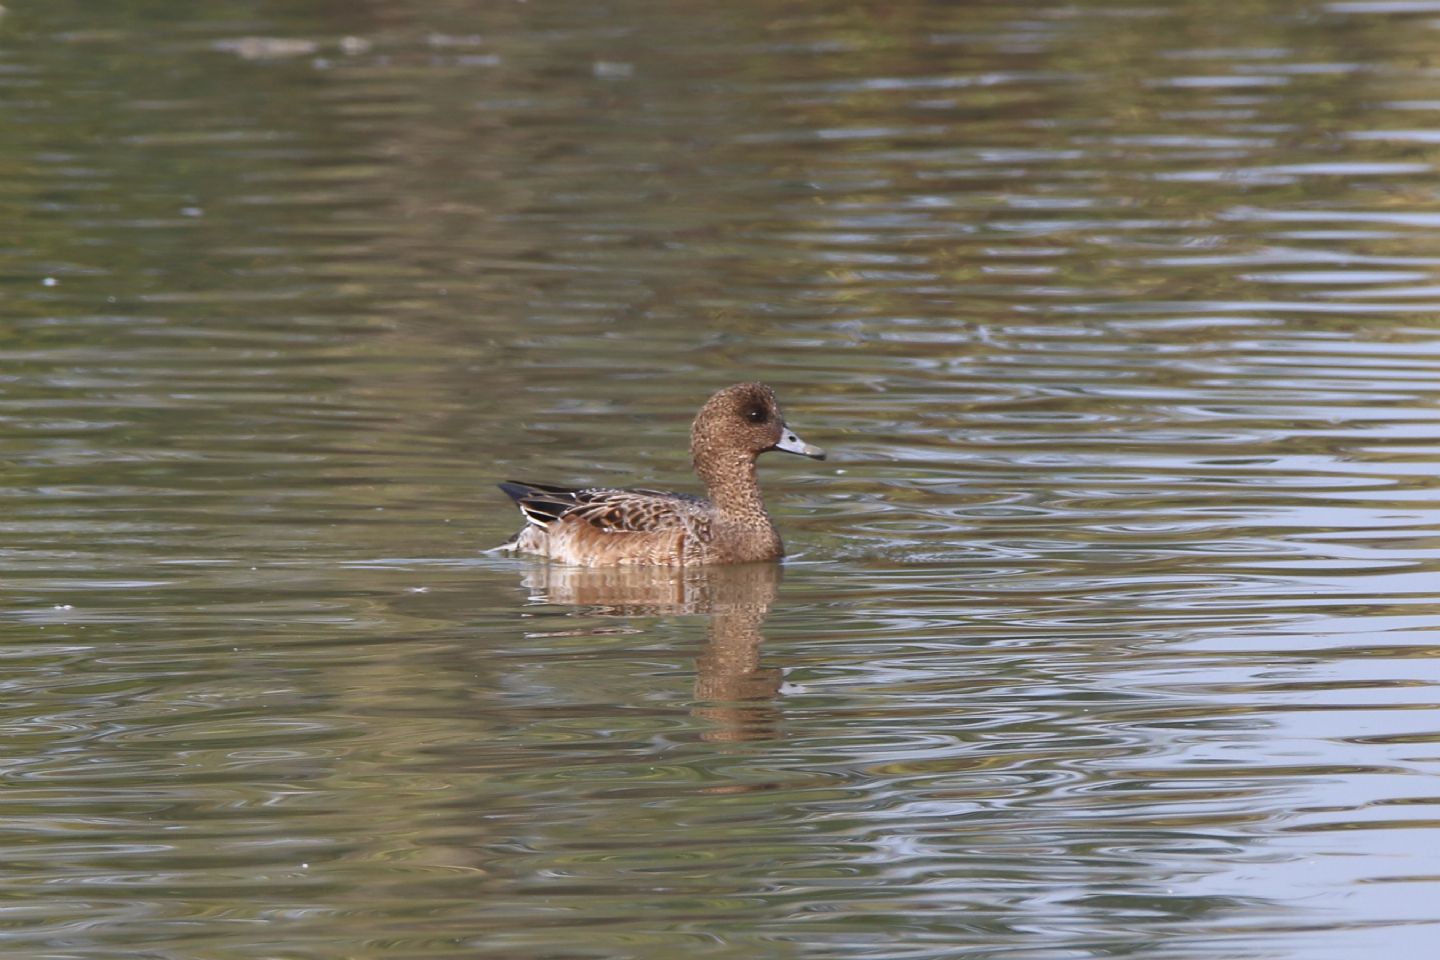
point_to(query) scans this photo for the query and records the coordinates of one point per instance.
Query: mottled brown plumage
(607, 527)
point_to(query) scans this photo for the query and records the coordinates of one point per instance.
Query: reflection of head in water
(736, 598)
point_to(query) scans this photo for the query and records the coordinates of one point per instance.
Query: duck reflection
(738, 694)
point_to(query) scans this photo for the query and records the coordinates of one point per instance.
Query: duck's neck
(731, 484)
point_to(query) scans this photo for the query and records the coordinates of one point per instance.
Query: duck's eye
(757, 414)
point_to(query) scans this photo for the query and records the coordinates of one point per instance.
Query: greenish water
(1111, 626)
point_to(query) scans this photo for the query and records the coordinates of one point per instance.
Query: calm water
(1112, 625)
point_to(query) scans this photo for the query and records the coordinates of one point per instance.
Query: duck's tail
(507, 547)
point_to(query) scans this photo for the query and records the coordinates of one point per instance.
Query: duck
(602, 526)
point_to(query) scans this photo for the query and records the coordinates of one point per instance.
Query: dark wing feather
(541, 503)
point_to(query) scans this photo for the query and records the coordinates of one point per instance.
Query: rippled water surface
(1111, 627)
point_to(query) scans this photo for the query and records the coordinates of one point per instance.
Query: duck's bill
(793, 444)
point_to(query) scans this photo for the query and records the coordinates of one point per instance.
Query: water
(1111, 625)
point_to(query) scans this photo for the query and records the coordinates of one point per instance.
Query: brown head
(734, 427)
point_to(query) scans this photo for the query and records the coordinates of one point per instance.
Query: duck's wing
(607, 510)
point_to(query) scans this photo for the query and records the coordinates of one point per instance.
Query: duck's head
(744, 419)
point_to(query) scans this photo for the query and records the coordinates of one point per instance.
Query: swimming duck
(598, 527)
